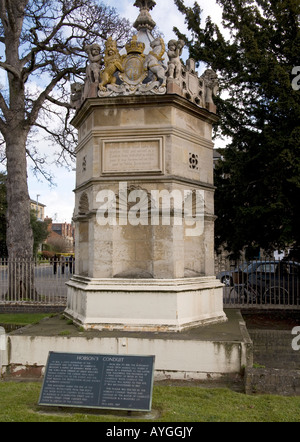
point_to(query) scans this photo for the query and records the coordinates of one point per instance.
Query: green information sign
(98, 381)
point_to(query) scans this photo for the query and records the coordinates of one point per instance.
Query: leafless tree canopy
(42, 50)
(43, 42)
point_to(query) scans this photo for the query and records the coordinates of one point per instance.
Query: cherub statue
(174, 53)
(94, 67)
(112, 62)
(154, 58)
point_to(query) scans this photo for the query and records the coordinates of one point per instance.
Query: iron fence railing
(30, 281)
(260, 284)
(254, 284)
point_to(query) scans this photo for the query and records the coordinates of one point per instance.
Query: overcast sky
(60, 199)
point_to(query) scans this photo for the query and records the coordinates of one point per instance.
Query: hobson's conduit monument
(144, 280)
(144, 192)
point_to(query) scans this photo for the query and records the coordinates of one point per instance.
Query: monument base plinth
(145, 305)
(201, 353)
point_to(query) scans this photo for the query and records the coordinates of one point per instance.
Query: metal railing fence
(255, 284)
(263, 284)
(31, 281)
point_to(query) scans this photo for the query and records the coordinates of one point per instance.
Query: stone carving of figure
(112, 62)
(76, 94)
(94, 66)
(154, 58)
(210, 79)
(174, 53)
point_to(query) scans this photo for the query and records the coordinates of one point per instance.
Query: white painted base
(146, 304)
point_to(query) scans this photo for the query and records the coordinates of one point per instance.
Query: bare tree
(43, 43)
(60, 244)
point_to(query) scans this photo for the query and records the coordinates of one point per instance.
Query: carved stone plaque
(132, 156)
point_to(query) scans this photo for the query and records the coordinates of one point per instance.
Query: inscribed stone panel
(132, 156)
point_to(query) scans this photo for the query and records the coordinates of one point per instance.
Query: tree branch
(58, 103)
(3, 106)
(3, 127)
(5, 111)
(41, 46)
(3, 16)
(9, 68)
(10, 14)
(38, 167)
(30, 121)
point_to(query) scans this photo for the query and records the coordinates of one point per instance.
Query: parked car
(226, 277)
(274, 282)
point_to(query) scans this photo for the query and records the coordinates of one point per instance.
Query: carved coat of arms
(140, 73)
(133, 63)
(135, 72)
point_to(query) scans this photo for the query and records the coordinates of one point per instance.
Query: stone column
(144, 215)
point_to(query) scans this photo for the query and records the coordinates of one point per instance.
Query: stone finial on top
(145, 20)
(145, 4)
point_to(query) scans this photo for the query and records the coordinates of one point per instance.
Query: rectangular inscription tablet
(132, 156)
(98, 381)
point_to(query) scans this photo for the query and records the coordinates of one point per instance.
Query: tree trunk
(19, 231)
(19, 235)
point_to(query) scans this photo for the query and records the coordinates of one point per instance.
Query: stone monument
(144, 210)
(144, 280)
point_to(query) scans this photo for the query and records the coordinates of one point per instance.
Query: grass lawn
(18, 403)
(22, 318)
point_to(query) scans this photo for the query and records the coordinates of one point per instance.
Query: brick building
(62, 235)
